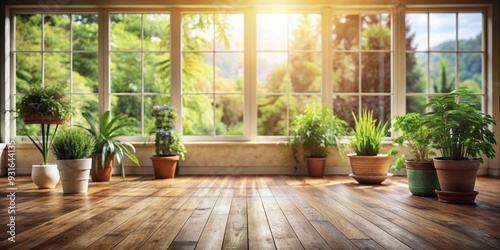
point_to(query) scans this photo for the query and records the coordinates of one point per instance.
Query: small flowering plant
(167, 140)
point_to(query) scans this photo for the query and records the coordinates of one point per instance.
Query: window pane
(376, 32)
(131, 107)
(28, 71)
(470, 31)
(442, 72)
(376, 72)
(416, 72)
(416, 32)
(272, 113)
(156, 32)
(442, 33)
(57, 70)
(85, 72)
(272, 72)
(229, 72)
(305, 32)
(416, 104)
(272, 31)
(85, 32)
(28, 32)
(345, 32)
(305, 72)
(381, 106)
(229, 114)
(125, 32)
(344, 106)
(156, 72)
(197, 72)
(345, 72)
(198, 115)
(56, 32)
(470, 71)
(229, 32)
(83, 103)
(126, 72)
(197, 32)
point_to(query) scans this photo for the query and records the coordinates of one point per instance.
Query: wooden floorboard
(247, 212)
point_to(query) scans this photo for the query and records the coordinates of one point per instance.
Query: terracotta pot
(102, 173)
(75, 175)
(45, 176)
(316, 167)
(456, 175)
(370, 165)
(164, 166)
(422, 178)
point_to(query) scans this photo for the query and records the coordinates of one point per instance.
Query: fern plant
(368, 134)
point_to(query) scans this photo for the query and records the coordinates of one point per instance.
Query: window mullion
(175, 65)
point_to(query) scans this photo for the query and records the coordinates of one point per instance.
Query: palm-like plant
(106, 132)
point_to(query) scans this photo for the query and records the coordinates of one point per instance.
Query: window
(58, 49)
(361, 65)
(288, 68)
(212, 74)
(139, 71)
(443, 51)
(246, 81)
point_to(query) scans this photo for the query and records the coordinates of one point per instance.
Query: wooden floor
(248, 212)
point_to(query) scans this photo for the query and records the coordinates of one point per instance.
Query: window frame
(398, 92)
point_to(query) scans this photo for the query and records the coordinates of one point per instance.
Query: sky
(443, 27)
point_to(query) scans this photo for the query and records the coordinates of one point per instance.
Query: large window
(139, 70)
(245, 74)
(361, 65)
(58, 49)
(288, 68)
(443, 51)
(213, 66)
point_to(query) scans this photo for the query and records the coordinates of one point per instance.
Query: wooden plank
(167, 231)
(284, 236)
(192, 229)
(212, 236)
(259, 233)
(235, 236)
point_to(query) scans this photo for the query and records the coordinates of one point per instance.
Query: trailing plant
(315, 132)
(167, 140)
(44, 101)
(73, 143)
(107, 131)
(416, 135)
(368, 134)
(459, 128)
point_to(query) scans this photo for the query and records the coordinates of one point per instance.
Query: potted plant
(367, 164)
(168, 142)
(109, 147)
(315, 132)
(46, 106)
(460, 132)
(422, 177)
(72, 148)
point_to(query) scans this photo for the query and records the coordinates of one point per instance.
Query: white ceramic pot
(75, 175)
(45, 176)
